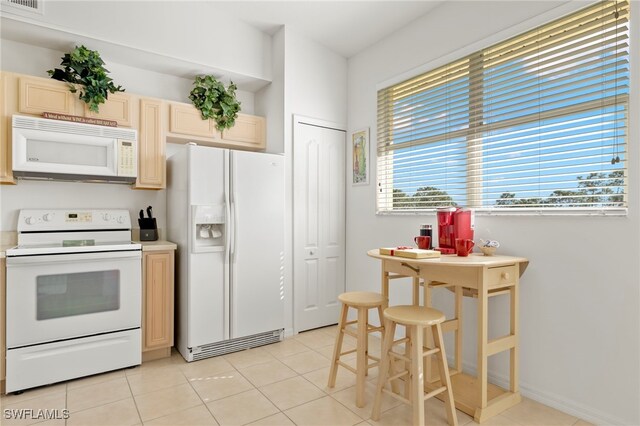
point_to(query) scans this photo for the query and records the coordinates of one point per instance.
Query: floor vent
(30, 6)
(235, 345)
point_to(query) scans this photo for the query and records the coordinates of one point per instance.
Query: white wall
(579, 307)
(269, 102)
(315, 81)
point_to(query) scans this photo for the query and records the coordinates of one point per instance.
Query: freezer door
(206, 299)
(207, 170)
(207, 309)
(257, 243)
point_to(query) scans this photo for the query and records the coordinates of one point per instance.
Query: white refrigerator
(225, 210)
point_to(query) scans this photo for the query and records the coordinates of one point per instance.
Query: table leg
(385, 286)
(458, 332)
(514, 332)
(416, 291)
(483, 303)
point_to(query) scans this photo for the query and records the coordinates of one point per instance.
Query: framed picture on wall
(360, 156)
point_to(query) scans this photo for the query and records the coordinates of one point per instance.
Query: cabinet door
(186, 120)
(249, 130)
(157, 323)
(38, 95)
(118, 107)
(8, 95)
(151, 146)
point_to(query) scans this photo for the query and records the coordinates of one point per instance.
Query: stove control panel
(66, 220)
(77, 217)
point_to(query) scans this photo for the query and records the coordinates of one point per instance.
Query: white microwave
(62, 150)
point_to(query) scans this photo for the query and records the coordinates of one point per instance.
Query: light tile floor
(281, 384)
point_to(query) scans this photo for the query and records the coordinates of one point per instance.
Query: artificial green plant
(215, 101)
(84, 71)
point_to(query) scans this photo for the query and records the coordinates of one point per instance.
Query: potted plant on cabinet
(215, 101)
(84, 71)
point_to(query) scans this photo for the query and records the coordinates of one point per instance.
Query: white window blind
(538, 121)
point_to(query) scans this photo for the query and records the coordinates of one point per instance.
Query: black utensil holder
(148, 229)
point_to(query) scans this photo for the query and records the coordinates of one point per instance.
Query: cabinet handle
(505, 275)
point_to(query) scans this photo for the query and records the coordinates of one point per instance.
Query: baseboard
(156, 354)
(558, 402)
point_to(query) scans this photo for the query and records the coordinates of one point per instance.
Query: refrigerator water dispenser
(208, 228)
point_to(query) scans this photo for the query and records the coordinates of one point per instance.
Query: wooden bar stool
(362, 301)
(415, 319)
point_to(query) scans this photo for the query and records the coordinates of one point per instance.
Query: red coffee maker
(453, 222)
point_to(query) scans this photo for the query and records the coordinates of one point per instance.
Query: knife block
(148, 229)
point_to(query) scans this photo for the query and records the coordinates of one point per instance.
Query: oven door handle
(75, 257)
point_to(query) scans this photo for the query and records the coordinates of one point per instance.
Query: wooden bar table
(476, 276)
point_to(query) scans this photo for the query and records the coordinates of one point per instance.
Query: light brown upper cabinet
(185, 119)
(248, 131)
(152, 162)
(118, 107)
(186, 124)
(38, 95)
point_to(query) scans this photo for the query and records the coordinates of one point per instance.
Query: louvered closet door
(319, 223)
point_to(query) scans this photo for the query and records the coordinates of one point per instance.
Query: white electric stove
(73, 296)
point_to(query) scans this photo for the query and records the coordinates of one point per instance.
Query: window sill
(621, 212)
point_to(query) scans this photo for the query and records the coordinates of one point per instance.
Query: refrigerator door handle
(233, 250)
(227, 249)
(232, 207)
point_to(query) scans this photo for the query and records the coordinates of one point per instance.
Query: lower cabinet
(157, 308)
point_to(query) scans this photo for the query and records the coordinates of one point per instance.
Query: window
(538, 121)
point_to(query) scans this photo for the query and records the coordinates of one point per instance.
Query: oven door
(58, 297)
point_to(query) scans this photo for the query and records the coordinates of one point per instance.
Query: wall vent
(22, 6)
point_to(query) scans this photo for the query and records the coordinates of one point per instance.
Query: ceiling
(346, 27)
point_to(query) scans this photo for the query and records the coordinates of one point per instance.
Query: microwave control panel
(126, 158)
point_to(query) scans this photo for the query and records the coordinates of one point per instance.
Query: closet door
(319, 223)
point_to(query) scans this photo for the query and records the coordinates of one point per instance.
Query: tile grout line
(107, 403)
(266, 384)
(200, 397)
(135, 403)
(262, 393)
(175, 386)
(66, 402)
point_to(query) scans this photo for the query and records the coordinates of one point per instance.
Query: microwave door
(62, 153)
